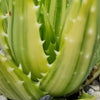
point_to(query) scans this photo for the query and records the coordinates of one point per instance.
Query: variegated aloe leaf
(71, 64)
(3, 27)
(52, 16)
(15, 84)
(98, 38)
(24, 38)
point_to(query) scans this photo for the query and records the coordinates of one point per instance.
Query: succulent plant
(50, 46)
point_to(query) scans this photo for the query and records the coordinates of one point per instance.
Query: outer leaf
(24, 38)
(69, 58)
(16, 85)
(3, 27)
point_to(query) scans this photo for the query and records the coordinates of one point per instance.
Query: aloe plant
(49, 46)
